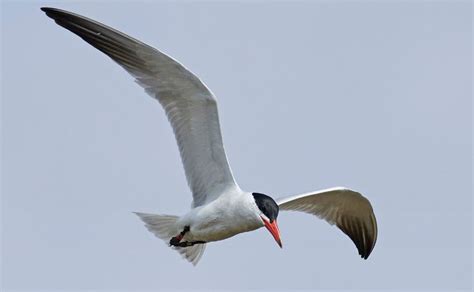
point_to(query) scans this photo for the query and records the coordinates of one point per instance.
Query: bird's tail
(165, 227)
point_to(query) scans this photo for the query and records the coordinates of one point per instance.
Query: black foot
(189, 243)
(175, 241)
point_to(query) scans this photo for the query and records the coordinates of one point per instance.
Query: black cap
(267, 205)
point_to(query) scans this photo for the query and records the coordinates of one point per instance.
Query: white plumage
(220, 208)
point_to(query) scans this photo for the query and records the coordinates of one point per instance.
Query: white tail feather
(165, 227)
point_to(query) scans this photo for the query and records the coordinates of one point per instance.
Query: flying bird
(220, 209)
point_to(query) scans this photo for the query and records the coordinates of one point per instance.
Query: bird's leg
(175, 241)
(190, 243)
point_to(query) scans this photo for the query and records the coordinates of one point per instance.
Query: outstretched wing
(349, 210)
(189, 105)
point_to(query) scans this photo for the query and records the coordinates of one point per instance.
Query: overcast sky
(375, 96)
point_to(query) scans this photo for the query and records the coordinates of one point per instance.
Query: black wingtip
(48, 9)
(55, 13)
(365, 253)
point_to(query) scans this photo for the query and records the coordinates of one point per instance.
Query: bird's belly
(217, 230)
(214, 226)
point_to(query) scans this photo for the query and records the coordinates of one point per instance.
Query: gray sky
(375, 96)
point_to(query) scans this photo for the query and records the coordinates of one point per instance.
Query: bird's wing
(349, 210)
(189, 105)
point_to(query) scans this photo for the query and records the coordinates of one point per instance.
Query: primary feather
(348, 210)
(190, 106)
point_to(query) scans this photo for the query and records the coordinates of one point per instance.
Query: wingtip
(55, 12)
(366, 253)
(50, 11)
(47, 9)
(140, 214)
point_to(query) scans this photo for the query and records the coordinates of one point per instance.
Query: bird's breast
(222, 219)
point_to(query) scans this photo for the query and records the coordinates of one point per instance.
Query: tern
(220, 209)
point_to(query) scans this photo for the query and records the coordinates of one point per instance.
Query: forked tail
(165, 227)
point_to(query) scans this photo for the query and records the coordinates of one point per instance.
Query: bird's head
(268, 209)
